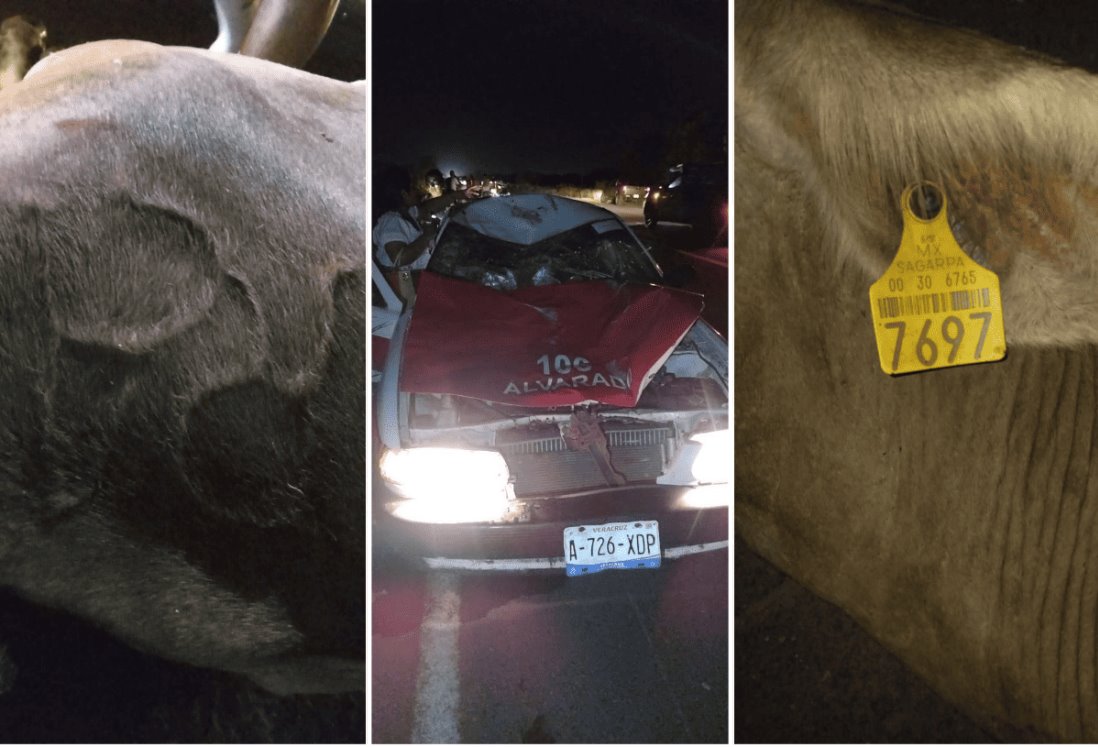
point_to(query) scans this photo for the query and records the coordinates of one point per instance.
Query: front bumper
(536, 542)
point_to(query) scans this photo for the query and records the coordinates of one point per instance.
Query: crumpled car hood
(527, 218)
(542, 346)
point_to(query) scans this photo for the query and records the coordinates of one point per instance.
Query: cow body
(182, 247)
(952, 513)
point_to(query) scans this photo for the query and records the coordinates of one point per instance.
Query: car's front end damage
(577, 425)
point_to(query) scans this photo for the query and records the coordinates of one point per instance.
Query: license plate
(599, 547)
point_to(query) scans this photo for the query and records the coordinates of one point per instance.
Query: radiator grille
(541, 462)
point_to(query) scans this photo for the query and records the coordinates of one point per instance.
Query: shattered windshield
(603, 250)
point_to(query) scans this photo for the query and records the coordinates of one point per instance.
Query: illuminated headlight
(656, 195)
(706, 496)
(713, 462)
(447, 486)
(705, 459)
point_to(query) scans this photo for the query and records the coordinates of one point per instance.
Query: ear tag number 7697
(934, 306)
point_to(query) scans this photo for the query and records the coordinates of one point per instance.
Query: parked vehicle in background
(623, 193)
(691, 193)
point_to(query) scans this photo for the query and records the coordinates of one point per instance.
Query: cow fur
(862, 104)
(182, 395)
(952, 513)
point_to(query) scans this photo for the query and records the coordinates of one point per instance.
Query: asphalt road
(622, 656)
(631, 213)
(666, 238)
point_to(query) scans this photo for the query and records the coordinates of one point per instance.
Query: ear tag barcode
(934, 307)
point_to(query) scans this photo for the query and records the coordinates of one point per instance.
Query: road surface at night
(626, 656)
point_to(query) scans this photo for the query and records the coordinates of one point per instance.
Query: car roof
(528, 218)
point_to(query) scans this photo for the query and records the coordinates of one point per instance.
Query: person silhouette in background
(432, 183)
(402, 237)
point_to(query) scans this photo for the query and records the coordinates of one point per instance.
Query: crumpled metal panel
(543, 464)
(581, 253)
(527, 219)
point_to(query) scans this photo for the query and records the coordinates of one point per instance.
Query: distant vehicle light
(656, 195)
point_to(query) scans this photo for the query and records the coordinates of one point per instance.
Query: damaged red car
(543, 401)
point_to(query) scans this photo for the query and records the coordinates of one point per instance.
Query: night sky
(503, 86)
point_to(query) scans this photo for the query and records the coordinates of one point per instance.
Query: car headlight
(656, 195)
(445, 486)
(705, 459)
(713, 462)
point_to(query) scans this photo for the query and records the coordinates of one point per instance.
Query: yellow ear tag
(934, 307)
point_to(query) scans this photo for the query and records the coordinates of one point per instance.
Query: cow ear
(1034, 220)
(854, 105)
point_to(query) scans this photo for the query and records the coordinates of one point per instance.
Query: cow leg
(21, 45)
(154, 599)
(233, 19)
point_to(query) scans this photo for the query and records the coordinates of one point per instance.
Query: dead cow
(182, 244)
(951, 512)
